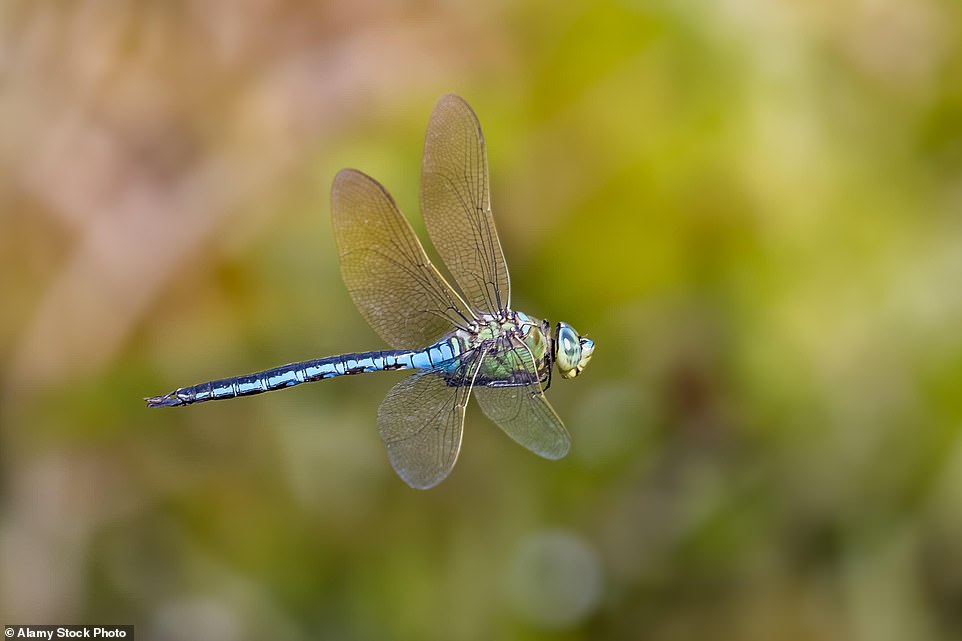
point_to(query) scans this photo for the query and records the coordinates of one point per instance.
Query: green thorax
(517, 349)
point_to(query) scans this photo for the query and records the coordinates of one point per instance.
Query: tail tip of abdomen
(167, 400)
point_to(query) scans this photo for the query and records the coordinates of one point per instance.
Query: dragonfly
(460, 341)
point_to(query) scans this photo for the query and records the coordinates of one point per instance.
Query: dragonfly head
(571, 351)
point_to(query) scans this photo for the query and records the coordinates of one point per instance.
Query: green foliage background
(754, 209)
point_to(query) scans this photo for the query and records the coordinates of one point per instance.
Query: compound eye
(569, 349)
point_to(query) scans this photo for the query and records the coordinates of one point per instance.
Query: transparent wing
(421, 421)
(522, 411)
(456, 208)
(526, 416)
(392, 282)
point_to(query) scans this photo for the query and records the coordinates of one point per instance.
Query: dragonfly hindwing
(422, 418)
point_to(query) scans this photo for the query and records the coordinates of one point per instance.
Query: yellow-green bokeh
(753, 208)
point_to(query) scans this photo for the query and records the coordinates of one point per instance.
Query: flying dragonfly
(459, 343)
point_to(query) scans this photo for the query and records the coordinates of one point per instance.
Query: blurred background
(754, 208)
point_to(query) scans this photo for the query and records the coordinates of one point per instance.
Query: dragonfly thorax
(488, 329)
(516, 348)
(569, 350)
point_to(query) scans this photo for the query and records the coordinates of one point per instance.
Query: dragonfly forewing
(456, 205)
(388, 275)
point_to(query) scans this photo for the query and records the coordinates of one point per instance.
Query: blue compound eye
(567, 350)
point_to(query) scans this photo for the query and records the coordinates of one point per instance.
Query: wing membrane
(523, 412)
(392, 282)
(421, 421)
(456, 207)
